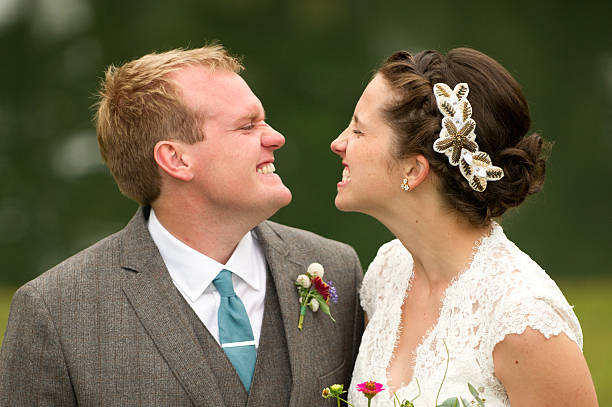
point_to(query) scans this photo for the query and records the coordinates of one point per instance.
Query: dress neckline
(478, 248)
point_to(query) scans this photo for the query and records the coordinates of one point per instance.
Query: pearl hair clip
(457, 139)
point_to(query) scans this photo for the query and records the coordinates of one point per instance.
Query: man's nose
(272, 139)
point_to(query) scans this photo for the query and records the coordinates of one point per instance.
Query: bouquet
(371, 388)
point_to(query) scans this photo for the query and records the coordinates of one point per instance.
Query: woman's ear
(416, 169)
(171, 157)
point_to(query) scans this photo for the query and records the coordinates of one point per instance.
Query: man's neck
(212, 234)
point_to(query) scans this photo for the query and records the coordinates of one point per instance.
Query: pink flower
(370, 388)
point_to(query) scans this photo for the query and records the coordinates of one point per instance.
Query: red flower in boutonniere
(322, 288)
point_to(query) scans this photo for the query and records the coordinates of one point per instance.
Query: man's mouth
(346, 175)
(267, 168)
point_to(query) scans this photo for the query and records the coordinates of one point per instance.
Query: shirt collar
(193, 271)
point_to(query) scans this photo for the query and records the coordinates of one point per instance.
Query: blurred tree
(308, 61)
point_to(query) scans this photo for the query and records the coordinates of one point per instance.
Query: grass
(592, 300)
(6, 294)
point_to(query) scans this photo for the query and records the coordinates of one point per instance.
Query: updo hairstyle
(502, 121)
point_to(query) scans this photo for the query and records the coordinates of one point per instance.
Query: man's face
(233, 168)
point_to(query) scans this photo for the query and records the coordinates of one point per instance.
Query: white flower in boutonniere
(314, 305)
(315, 270)
(303, 281)
(314, 292)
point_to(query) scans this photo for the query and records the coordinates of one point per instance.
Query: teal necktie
(235, 333)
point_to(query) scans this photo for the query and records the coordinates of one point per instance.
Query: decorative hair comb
(457, 139)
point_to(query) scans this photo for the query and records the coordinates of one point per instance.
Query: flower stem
(445, 370)
(341, 399)
(302, 313)
(419, 387)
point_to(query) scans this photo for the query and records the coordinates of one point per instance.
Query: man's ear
(416, 169)
(171, 158)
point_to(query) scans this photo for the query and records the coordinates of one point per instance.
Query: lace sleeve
(549, 314)
(373, 282)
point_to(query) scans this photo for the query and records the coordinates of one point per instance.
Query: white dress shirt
(193, 272)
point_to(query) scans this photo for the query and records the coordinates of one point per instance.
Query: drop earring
(405, 186)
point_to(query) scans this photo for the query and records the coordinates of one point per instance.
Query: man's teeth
(266, 169)
(346, 175)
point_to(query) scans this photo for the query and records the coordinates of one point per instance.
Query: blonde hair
(139, 105)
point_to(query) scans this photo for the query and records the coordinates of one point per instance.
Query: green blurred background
(308, 61)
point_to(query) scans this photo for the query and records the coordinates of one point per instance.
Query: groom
(194, 301)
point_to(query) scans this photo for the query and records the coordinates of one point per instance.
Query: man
(194, 301)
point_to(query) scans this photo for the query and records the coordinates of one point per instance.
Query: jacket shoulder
(80, 267)
(305, 240)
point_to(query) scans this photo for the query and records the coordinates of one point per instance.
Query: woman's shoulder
(389, 271)
(390, 256)
(520, 294)
(390, 247)
(506, 268)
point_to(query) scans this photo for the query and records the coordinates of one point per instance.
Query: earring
(405, 186)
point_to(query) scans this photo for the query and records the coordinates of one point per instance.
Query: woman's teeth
(266, 169)
(346, 175)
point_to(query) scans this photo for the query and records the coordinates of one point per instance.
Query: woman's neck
(441, 243)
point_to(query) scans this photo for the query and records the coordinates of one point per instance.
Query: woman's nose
(338, 146)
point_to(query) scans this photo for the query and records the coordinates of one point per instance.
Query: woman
(438, 148)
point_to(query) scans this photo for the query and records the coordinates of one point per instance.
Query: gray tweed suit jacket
(108, 327)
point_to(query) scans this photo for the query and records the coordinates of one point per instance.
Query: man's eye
(247, 126)
(356, 131)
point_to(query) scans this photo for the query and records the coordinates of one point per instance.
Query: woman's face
(371, 176)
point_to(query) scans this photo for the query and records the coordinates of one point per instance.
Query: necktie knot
(223, 283)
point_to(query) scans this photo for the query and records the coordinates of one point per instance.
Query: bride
(436, 150)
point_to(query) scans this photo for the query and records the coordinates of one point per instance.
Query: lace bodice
(502, 292)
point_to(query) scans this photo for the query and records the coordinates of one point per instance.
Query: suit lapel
(285, 266)
(151, 292)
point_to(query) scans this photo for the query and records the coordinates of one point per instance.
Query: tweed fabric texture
(272, 368)
(108, 327)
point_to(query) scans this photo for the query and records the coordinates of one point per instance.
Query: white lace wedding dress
(502, 292)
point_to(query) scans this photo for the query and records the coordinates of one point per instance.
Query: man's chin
(279, 198)
(284, 197)
(342, 205)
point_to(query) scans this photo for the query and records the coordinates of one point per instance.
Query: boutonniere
(314, 292)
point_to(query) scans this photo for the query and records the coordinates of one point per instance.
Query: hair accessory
(405, 186)
(457, 139)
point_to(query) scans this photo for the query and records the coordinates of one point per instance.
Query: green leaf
(465, 403)
(323, 306)
(317, 295)
(476, 395)
(451, 402)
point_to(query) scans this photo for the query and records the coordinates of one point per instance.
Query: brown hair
(139, 105)
(502, 121)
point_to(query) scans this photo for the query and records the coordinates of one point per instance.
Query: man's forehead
(201, 83)
(199, 80)
(217, 93)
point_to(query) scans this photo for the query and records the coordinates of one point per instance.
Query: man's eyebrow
(356, 119)
(254, 115)
(250, 116)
